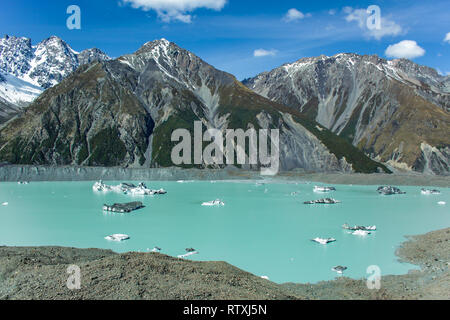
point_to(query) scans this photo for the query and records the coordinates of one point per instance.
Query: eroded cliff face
(123, 112)
(388, 109)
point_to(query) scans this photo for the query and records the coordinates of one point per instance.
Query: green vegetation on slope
(107, 149)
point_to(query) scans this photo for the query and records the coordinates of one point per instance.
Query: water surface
(263, 229)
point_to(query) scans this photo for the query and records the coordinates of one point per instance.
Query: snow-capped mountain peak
(26, 70)
(44, 64)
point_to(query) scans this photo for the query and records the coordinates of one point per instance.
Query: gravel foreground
(41, 273)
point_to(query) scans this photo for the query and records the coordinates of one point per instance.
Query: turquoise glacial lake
(263, 229)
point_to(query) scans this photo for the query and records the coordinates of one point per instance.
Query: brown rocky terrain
(41, 273)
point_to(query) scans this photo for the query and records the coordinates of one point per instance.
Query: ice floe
(324, 189)
(428, 192)
(387, 191)
(215, 203)
(117, 237)
(339, 269)
(324, 241)
(323, 201)
(356, 228)
(190, 252)
(123, 207)
(128, 188)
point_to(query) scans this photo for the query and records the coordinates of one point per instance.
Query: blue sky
(243, 37)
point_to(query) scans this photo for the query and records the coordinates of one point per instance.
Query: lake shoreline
(14, 173)
(40, 273)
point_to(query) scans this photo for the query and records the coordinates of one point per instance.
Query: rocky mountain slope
(30, 69)
(122, 113)
(396, 111)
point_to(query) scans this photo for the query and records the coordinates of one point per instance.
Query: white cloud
(408, 49)
(295, 15)
(172, 10)
(388, 27)
(447, 37)
(264, 53)
(332, 12)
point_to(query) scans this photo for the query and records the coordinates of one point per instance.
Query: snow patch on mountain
(17, 91)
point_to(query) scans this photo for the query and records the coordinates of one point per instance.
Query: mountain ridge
(396, 111)
(44, 64)
(122, 112)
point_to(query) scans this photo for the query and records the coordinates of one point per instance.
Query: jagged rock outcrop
(122, 113)
(388, 109)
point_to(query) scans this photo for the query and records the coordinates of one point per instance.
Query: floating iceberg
(99, 186)
(5, 203)
(428, 192)
(190, 252)
(23, 182)
(356, 228)
(324, 241)
(155, 250)
(117, 237)
(265, 278)
(128, 188)
(323, 201)
(123, 207)
(215, 203)
(387, 191)
(442, 203)
(324, 189)
(339, 269)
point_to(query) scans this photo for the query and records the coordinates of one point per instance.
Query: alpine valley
(346, 113)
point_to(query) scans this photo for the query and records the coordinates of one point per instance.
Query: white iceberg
(99, 186)
(339, 269)
(428, 192)
(324, 241)
(215, 203)
(324, 189)
(442, 203)
(5, 203)
(128, 188)
(117, 237)
(183, 256)
(363, 228)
